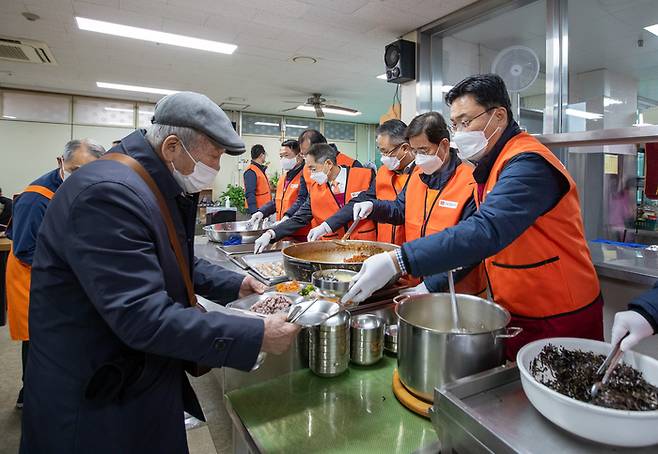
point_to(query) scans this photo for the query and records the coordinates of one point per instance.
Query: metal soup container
(329, 346)
(431, 353)
(366, 339)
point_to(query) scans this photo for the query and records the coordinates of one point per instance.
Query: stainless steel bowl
(244, 230)
(333, 282)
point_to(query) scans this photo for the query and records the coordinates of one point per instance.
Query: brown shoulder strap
(131, 162)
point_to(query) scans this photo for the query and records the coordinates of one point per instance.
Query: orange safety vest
(388, 185)
(263, 194)
(429, 211)
(342, 160)
(547, 270)
(17, 283)
(286, 196)
(324, 204)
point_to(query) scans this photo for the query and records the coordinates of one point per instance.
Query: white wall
(30, 149)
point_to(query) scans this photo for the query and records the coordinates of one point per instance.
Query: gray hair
(92, 147)
(157, 133)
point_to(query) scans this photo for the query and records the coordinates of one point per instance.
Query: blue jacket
(28, 213)
(527, 188)
(109, 323)
(647, 305)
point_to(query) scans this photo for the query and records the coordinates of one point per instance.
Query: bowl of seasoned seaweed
(557, 375)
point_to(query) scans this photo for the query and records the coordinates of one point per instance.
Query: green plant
(274, 180)
(235, 195)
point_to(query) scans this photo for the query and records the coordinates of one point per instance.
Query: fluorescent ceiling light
(652, 29)
(329, 110)
(611, 101)
(265, 123)
(296, 126)
(11, 117)
(157, 91)
(446, 88)
(154, 36)
(118, 109)
(382, 76)
(583, 114)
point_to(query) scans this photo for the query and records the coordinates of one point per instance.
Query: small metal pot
(366, 339)
(225, 231)
(333, 282)
(329, 346)
(391, 339)
(431, 354)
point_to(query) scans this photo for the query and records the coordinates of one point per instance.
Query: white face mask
(319, 177)
(471, 145)
(391, 162)
(428, 163)
(288, 163)
(201, 177)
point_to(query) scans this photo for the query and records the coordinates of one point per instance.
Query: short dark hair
(489, 91)
(257, 150)
(394, 129)
(292, 144)
(313, 135)
(430, 123)
(322, 152)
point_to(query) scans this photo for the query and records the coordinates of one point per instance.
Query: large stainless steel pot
(240, 229)
(302, 260)
(431, 354)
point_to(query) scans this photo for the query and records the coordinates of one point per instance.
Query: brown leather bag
(194, 369)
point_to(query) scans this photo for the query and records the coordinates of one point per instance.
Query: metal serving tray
(248, 301)
(270, 257)
(238, 249)
(489, 413)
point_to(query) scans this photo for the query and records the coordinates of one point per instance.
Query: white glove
(256, 217)
(420, 289)
(263, 241)
(633, 323)
(375, 273)
(362, 210)
(319, 231)
(283, 219)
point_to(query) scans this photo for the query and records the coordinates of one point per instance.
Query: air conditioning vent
(26, 51)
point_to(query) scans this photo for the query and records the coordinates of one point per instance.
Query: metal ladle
(453, 300)
(349, 232)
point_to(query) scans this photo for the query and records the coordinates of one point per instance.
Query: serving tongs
(608, 366)
(350, 231)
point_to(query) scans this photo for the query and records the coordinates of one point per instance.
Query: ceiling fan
(318, 104)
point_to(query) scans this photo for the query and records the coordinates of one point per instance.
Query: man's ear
(169, 148)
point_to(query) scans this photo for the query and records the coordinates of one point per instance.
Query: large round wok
(303, 259)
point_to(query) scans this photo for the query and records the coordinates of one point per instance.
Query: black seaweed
(573, 372)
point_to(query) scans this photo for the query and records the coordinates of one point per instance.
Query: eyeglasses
(391, 151)
(424, 151)
(466, 123)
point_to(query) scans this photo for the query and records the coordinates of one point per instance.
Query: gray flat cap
(197, 111)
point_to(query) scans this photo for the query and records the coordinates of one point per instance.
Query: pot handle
(400, 298)
(510, 332)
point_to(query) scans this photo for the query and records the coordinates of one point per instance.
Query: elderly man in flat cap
(113, 321)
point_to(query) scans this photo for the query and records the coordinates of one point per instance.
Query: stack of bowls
(329, 346)
(367, 339)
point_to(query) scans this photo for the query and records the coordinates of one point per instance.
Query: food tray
(248, 301)
(489, 413)
(239, 249)
(253, 260)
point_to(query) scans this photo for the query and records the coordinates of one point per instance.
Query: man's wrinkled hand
(251, 285)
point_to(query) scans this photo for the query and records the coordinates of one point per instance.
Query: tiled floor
(211, 438)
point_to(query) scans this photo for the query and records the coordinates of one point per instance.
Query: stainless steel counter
(629, 264)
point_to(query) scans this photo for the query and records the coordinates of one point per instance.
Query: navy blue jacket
(107, 303)
(528, 187)
(250, 181)
(28, 213)
(270, 207)
(647, 305)
(303, 216)
(303, 193)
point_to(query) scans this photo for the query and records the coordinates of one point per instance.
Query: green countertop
(355, 412)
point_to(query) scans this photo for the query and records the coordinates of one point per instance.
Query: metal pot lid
(366, 322)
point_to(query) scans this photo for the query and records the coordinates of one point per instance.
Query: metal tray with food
(268, 303)
(239, 249)
(268, 266)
